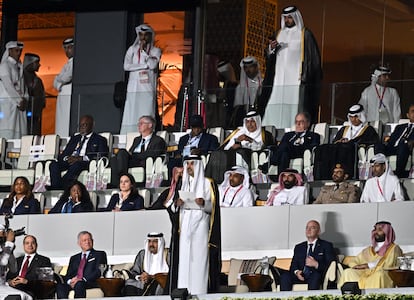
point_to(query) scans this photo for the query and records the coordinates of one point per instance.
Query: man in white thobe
(235, 189)
(290, 190)
(13, 93)
(380, 101)
(63, 83)
(193, 268)
(294, 62)
(384, 186)
(141, 61)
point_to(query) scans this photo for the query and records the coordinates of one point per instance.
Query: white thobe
(378, 191)
(284, 103)
(13, 122)
(238, 196)
(63, 83)
(193, 257)
(297, 195)
(142, 86)
(387, 111)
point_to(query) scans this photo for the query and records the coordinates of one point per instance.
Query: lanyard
(380, 97)
(379, 188)
(234, 196)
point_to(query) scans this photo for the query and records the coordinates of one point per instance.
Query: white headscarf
(11, 45)
(30, 58)
(144, 28)
(382, 159)
(296, 15)
(238, 170)
(248, 88)
(198, 181)
(255, 135)
(353, 131)
(155, 263)
(380, 70)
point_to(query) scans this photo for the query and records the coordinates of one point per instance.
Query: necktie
(142, 146)
(81, 266)
(336, 186)
(25, 267)
(80, 145)
(307, 270)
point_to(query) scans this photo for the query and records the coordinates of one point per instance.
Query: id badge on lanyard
(143, 76)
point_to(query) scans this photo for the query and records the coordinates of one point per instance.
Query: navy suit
(207, 143)
(133, 202)
(38, 261)
(128, 159)
(287, 150)
(84, 206)
(26, 206)
(96, 145)
(402, 149)
(91, 272)
(324, 254)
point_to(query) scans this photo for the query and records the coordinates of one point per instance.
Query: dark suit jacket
(368, 137)
(37, 262)
(91, 271)
(208, 143)
(323, 253)
(133, 202)
(84, 206)
(156, 147)
(398, 131)
(27, 206)
(311, 139)
(95, 144)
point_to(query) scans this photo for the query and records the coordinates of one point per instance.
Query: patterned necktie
(25, 267)
(81, 266)
(80, 145)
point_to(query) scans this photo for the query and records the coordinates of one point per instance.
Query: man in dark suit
(148, 144)
(27, 265)
(294, 143)
(310, 260)
(197, 142)
(400, 143)
(83, 269)
(81, 149)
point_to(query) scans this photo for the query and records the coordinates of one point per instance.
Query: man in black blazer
(83, 269)
(81, 149)
(196, 142)
(310, 260)
(148, 144)
(294, 143)
(401, 143)
(26, 271)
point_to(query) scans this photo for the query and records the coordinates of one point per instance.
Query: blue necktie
(307, 270)
(68, 207)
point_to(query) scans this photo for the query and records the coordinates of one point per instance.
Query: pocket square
(320, 253)
(91, 259)
(26, 206)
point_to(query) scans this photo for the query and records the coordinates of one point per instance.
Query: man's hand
(17, 280)
(73, 281)
(199, 201)
(244, 137)
(179, 202)
(74, 159)
(361, 267)
(196, 151)
(22, 104)
(311, 262)
(299, 275)
(145, 277)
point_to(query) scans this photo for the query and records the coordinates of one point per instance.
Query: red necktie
(25, 267)
(81, 266)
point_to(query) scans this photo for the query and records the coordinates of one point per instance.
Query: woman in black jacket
(74, 199)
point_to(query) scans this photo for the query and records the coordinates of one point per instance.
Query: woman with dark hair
(127, 198)
(74, 199)
(20, 200)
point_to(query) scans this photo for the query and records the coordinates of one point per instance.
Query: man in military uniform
(341, 191)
